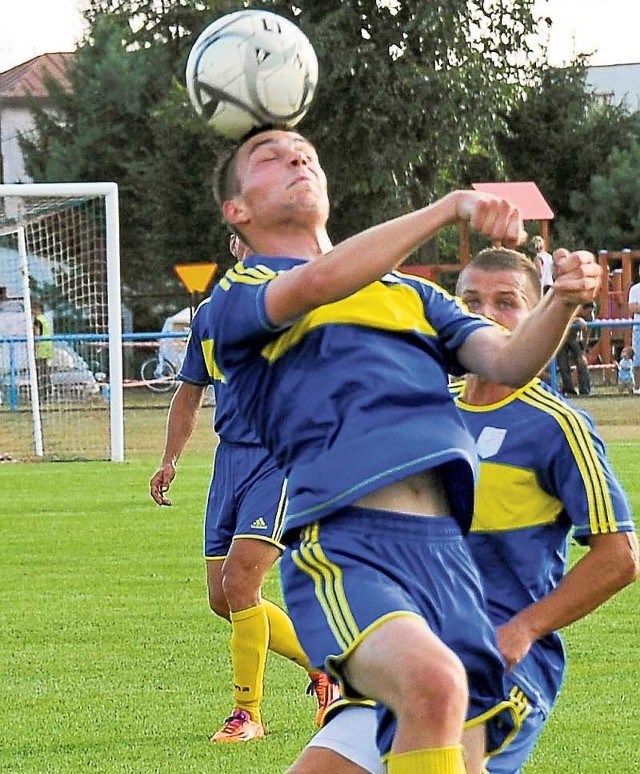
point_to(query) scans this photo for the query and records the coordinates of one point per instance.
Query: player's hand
(160, 483)
(577, 276)
(514, 642)
(495, 217)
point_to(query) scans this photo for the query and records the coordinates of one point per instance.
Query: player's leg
(217, 600)
(235, 585)
(257, 625)
(406, 667)
(380, 597)
(219, 529)
(346, 744)
(349, 595)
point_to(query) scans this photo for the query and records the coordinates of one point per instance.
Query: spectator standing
(42, 327)
(634, 309)
(573, 352)
(543, 261)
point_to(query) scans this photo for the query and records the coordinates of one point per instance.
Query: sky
(606, 27)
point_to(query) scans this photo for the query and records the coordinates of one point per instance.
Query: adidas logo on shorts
(259, 523)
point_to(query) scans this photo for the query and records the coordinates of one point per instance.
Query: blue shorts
(246, 499)
(512, 758)
(349, 571)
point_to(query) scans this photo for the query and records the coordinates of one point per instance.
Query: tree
(406, 90)
(100, 131)
(560, 135)
(607, 214)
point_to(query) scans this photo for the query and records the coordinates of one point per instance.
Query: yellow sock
(436, 760)
(282, 636)
(249, 644)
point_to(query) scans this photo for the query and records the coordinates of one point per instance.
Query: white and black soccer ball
(251, 68)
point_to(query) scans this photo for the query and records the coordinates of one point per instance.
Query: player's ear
(235, 211)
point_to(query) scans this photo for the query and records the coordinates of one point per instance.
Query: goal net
(60, 322)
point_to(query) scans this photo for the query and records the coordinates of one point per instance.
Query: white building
(617, 84)
(18, 86)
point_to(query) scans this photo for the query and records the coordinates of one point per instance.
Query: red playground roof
(526, 196)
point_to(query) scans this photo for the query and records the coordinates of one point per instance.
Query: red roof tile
(27, 78)
(526, 196)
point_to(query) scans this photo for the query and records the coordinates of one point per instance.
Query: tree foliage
(607, 214)
(407, 91)
(560, 135)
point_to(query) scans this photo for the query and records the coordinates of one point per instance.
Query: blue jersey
(199, 367)
(353, 395)
(543, 474)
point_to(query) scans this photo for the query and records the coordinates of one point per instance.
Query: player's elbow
(634, 560)
(627, 563)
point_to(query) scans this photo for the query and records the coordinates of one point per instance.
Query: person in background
(573, 352)
(626, 376)
(42, 327)
(634, 309)
(543, 262)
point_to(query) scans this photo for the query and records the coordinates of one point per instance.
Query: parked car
(71, 377)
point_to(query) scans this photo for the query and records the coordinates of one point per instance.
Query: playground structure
(620, 267)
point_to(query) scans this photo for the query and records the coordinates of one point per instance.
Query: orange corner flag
(196, 277)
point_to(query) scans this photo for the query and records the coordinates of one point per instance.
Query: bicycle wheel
(158, 376)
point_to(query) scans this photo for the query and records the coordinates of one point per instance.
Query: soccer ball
(251, 68)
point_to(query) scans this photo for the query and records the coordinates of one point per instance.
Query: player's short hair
(502, 259)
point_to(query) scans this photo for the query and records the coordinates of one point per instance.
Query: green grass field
(111, 662)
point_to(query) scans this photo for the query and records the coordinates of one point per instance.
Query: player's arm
(181, 421)
(610, 564)
(515, 359)
(369, 255)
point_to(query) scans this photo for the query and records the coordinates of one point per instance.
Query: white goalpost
(60, 322)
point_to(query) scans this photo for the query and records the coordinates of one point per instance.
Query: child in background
(626, 381)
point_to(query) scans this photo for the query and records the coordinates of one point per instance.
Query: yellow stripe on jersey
(511, 498)
(601, 512)
(213, 369)
(386, 308)
(327, 579)
(249, 275)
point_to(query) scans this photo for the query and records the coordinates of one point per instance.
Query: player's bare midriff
(422, 494)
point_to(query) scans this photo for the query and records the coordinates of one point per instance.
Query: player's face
(503, 296)
(280, 177)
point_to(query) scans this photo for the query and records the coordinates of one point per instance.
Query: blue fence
(14, 373)
(13, 370)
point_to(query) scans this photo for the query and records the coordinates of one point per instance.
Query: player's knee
(438, 693)
(241, 589)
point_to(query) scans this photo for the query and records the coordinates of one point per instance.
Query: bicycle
(158, 373)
